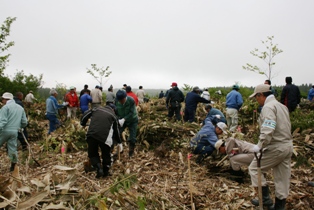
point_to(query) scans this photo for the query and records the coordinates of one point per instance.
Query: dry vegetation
(157, 177)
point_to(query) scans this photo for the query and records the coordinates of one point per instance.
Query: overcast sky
(156, 42)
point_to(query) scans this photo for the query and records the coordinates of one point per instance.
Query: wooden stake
(259, 179)
(223, 159)
(190, 179)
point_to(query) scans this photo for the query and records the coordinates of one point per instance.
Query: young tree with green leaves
(4, 45)
(99, 73)
(267, 56)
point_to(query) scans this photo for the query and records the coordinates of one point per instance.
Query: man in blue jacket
(203, 143)
(12, 119)
(310, 95)
(234, 102)
(191, 100)
(52, 107)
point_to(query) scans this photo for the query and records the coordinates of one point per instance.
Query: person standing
(161, 94)
(290, 95)
(234, 102)
(73, 103)
(275, 142)
(29, 98)
(310, 95)
(205, 94)
(191, 100)
(110, 97)
(129, 92)
(85, 99)
(84, 90)
(96, 95)
(127, 114)
(203, 143)
(101, 131)
(140, 94)
(52, 107)
(18, 100)
(12, 119)
(173, 101)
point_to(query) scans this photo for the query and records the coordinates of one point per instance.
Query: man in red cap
(173, 101)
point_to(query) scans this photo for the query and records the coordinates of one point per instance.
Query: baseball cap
(223, 127)
(196, 88)
(174, 84)
(72, 88)
(262, 88)
(121, 94)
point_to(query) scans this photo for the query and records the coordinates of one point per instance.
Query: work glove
(65, 103)
(120, 147)
(255, 148)
(217, 116)
(21, 130)
(121, 122)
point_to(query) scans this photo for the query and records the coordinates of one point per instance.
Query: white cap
(218, 144)
(223, 127)
(7, 95)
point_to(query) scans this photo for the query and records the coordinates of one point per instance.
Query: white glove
(120, 147)
(256, 149)
(21, 130)
(217, 116)
(121, 122)
(65, 103)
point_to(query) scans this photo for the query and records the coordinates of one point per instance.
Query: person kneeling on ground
(238, 151)
(203, 143)
(103, 127)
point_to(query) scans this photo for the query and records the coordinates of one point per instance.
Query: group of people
(275, 140)
(109, 121)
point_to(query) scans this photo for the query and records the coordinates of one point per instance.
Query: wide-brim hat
(7, 95)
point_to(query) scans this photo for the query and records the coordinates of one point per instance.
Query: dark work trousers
(176, 111)
(22, 140)
(189, 115)
(93, 154)
(132, 130)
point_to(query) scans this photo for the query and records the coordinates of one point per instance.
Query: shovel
(259, 180)
(29, 148)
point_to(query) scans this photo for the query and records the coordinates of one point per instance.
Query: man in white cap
(238, 151)
(52, 107)
(29, 98)
(275, 140)
(203, 143)
(12, 119)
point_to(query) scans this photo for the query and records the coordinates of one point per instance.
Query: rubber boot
(200, 158)
(106, 171)
(131, 149)
(267, 201)
(100, 171)
(12, 166)
(280, 204)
